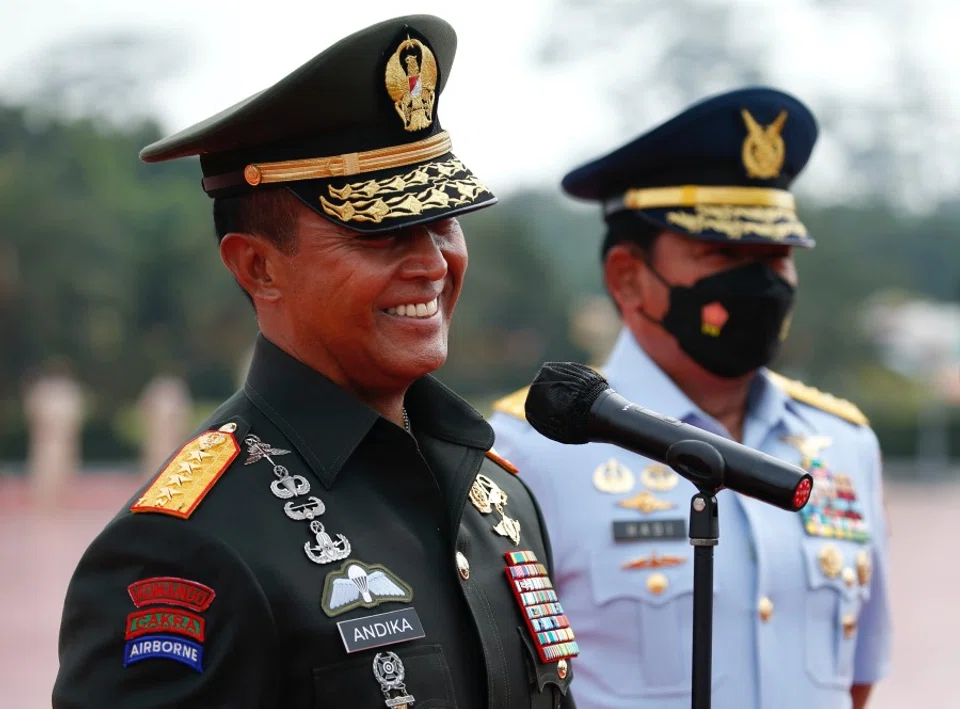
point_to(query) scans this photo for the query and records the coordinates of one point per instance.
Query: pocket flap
(831, 564)
(655, 585)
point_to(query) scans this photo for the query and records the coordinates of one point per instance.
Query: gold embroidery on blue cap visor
(439, 185)
(775, 223)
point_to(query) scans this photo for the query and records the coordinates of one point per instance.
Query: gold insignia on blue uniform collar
(819, 400)
(513, 404)
(613, 477)
(358, 585)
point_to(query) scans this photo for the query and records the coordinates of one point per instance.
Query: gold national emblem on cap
(411, 78)
(763, 148)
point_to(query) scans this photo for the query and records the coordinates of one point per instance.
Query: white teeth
(415, 310)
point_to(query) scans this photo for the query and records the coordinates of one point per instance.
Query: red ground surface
(39, 550)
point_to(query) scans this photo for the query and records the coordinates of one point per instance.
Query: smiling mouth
(415, 310)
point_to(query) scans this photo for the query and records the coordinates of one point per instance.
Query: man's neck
(385, 400)
(723, 399)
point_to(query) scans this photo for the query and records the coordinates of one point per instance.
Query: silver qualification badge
(389, 672)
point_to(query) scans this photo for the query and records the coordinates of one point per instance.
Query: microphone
(571, 403)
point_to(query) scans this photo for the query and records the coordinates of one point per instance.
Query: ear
(252, 261)
(621, 271)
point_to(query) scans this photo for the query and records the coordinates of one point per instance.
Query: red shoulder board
(502, 462)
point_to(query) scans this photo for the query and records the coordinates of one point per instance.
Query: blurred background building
(119, 323)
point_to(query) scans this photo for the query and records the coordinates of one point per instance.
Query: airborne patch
(182, 485)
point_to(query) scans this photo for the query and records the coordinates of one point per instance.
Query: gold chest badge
(487, 496)
(613, 477)
(411, 79)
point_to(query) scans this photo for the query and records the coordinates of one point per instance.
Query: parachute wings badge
(358, 585)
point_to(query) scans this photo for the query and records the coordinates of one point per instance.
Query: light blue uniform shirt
(824, 630)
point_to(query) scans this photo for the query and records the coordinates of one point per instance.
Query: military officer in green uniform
(338, 533)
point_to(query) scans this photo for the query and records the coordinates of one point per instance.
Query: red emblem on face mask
(713, 316)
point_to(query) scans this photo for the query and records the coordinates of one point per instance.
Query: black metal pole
(701, 461)
(704, 535)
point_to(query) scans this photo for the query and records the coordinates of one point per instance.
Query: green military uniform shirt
(304, 552)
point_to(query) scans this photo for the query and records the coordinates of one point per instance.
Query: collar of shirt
(636, 377)
(326, 423)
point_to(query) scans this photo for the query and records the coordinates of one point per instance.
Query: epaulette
(502, 462)
(818, 399)
(191, 474)
(513, 404)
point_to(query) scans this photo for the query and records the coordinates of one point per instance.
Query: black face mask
(732, 322)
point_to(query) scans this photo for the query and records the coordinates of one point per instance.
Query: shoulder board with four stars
(820, 400)
(502, 462)
(513, 404)
(191, 474)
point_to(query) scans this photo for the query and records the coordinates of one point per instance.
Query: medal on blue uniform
(613, 477)
(833, 510)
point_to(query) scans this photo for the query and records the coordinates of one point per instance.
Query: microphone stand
(701, 464)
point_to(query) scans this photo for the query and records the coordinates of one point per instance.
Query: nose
(424, 257)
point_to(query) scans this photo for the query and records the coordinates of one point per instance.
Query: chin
(420, 364)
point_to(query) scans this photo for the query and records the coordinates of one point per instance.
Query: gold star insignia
(198, 455)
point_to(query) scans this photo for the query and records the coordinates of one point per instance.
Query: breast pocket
(641, 636)
(833, 605)
(426, 678)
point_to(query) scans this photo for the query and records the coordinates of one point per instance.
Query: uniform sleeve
(874, 633)
(159, 615)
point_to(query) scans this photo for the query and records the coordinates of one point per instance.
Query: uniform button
(849, 576)
(657, 583)
(831, 560)
(765, 609)
(863, 567)
(849, 625)
(463, 566)
(562, 669)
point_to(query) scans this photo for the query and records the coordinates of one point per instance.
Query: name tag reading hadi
(632, 531)
(379, 630)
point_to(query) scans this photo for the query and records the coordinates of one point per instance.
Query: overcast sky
(521, 131)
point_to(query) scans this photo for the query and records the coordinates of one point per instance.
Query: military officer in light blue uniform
(698, 260)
